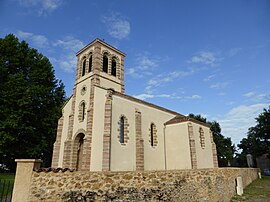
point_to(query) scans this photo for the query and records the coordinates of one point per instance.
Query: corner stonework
(193, 155)
(107, 132)
(139, 141)
(214, 151)
(57, 144)
(68, 143)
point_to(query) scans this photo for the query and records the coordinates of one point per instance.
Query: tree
(30, 103)
(257, 141)
(225, 148)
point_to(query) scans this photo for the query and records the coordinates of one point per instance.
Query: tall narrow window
(83, 111)
(105, 63)
(114, 67)
(83, 67)
(81, 115)
(90, 64)
(152, 134)
(122, 130)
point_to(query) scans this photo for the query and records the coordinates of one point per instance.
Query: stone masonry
(192, 146)
(180, 185)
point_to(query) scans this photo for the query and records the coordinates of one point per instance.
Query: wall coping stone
(28, 160)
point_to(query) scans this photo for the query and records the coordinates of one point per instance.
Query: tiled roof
(102, 42)
(180, 119)
(55, 170)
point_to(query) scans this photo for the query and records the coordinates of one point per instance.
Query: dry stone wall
(179, 185)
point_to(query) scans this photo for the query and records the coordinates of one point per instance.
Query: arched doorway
(79, 141)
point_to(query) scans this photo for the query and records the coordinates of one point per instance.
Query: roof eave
(97, 40)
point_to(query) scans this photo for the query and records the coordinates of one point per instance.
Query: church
(103, 129)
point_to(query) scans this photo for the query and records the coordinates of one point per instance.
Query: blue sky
(203, 57)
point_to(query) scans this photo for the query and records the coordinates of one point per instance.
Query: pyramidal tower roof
(97, 40)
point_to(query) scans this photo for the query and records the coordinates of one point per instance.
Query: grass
(257, 191)
(8, 178)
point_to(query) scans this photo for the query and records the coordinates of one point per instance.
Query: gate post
(23, 177)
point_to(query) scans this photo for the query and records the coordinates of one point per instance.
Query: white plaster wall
(115, 83)
(66, 112)
(98, 129)
(123, 157)
(204, 156)
(79, 98)
(85, 77)
(177, 147)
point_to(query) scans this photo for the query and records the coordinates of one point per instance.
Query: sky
(208, 57)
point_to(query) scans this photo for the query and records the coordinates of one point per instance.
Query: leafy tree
(225, 148)
(30, 103)
(257, 141)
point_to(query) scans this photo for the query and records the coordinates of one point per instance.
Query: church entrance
(79, 141)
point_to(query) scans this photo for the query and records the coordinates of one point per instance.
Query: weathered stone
(179, 185)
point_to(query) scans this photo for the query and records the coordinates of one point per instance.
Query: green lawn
(257, 191)
(7, 176)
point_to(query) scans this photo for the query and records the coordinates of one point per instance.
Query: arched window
(202, 138)
(105, 63)
(122, 130)
(114, 67)
(83, 67)
(90, 64)
(81, 115)
(83, 111)
(152, 134)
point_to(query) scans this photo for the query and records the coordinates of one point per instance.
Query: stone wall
(179, 185)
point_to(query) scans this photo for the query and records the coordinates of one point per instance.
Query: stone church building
(103, 129)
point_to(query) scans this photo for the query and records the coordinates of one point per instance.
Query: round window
(83, 90)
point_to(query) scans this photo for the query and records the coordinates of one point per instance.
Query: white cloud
(39, 41)
(51, 4)
(256, 97)
(249, 94)
(219, 85)
(118, 26)
(134, 72)
(69, 46)
(42, 6)
(145, 64)
(204, 57)
(195, 97)
(164, 78)
(145, 96)
(236, 122)
(67, 63)
(69, 43)
(209, 78)
(66, 47)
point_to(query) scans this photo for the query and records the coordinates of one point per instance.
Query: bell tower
(102, 63)
(98, 65)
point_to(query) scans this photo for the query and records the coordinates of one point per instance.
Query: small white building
(103, 129)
